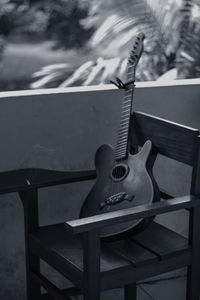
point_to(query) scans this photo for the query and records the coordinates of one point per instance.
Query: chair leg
(130, 291)
(30, 203)
(193, 289)
(91, 262)
(192, 285)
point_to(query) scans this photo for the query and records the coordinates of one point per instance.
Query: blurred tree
(60, 21)
(172, 44)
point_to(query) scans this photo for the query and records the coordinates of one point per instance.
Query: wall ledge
(103, 87)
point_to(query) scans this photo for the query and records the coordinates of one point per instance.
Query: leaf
(81, 72)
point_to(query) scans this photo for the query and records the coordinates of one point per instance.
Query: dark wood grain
(42, 246)
(91, 265)
(31, 222)
(133, 253)
(72, 292)
(170, 139)
(141, 211)
(54, 240)
(193, 288)
(25, 179)
(164, 195)
(49, 286)
(161, 241)
(80, 257)
(130, 291)
(119, 278)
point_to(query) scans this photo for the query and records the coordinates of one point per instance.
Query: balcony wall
(61, 129)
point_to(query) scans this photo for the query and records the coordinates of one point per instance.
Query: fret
(127, 100)
(124, 117)
(122, 138)
(123, 127)
(127, 95)
(122, 152)
(123, 130)
(122, 148)
(123, 122)
(128, 105)
(125, 111)
(124, 114)
(122, 144)
(121, 155)
(119, 151)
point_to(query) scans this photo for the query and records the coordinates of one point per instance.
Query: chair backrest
(170, 139)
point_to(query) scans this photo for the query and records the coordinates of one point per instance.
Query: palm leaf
(170, 26)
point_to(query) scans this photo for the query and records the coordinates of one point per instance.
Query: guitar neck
(121, 148)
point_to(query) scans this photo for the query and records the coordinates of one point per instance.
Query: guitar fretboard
(122, 139)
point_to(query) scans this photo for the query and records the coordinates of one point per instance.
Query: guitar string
(122, 144)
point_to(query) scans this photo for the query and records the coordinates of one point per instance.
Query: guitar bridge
(116, 199)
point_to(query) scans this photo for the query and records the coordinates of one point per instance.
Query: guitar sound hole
(119, 172)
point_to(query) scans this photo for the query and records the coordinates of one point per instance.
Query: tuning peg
(141, 36)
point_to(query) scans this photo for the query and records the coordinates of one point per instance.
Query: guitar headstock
(136, 51)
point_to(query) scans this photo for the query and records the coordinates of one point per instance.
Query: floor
(173, 289)
(170, 286)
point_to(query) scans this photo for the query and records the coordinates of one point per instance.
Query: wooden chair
(74, 248)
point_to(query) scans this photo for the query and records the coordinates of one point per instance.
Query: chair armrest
(24, 179)
(137, 212)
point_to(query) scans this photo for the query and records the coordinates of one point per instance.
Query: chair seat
(58, 248)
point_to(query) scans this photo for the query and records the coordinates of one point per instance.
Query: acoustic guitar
(123, 179)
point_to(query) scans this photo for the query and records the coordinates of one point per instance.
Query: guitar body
(122, 184)
(123, 180)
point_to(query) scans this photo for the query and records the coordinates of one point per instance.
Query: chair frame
(91, 281)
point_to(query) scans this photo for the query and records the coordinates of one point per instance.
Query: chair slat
(161, 241)
(132, 252)
(70, 247)
(170, 139)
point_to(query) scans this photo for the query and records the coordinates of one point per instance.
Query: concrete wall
(61, 129)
